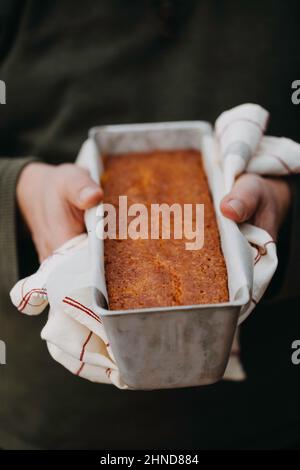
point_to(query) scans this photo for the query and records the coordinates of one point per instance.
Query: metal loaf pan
(184, 346)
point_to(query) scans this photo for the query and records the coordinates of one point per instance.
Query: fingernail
(86, 193)
(237, 206)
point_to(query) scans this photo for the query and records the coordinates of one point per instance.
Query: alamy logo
(2, 92)
(139, 221)
(296, 94)
(2, 353)
(295, 357)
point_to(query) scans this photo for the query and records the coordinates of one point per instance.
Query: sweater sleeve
(10, 169)
(285, 284)
(290, 285)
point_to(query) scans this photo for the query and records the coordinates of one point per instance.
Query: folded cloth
(239, 132)
(74, 332)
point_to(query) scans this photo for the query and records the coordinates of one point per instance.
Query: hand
(52, 200)
(264, 202)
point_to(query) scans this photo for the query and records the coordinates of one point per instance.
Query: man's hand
(261, 201)
(52, 200)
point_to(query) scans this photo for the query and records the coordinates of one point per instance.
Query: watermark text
(153, 221)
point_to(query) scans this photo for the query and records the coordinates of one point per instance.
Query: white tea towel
(239, 132)
(275, 156)
(74, 332)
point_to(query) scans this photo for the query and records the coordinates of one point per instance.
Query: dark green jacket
(70, 65)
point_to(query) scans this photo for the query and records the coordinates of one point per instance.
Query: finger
(43, 249)
(266, 219)
(79, 188)
(244, 199)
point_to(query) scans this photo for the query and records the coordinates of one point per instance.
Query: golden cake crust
(160, 273)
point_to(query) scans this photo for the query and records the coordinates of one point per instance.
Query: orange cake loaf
(149, 272)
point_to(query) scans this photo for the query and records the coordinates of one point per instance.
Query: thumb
(79, 188)
(244, 199)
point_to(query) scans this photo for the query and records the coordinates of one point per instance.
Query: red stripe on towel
(82, 308)
(31, 290)
(81, 305)
(283, 164)
(80, 369)
(257, 258)
(261, 251)
(268, 243)
(85, 344)
(26, 298)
